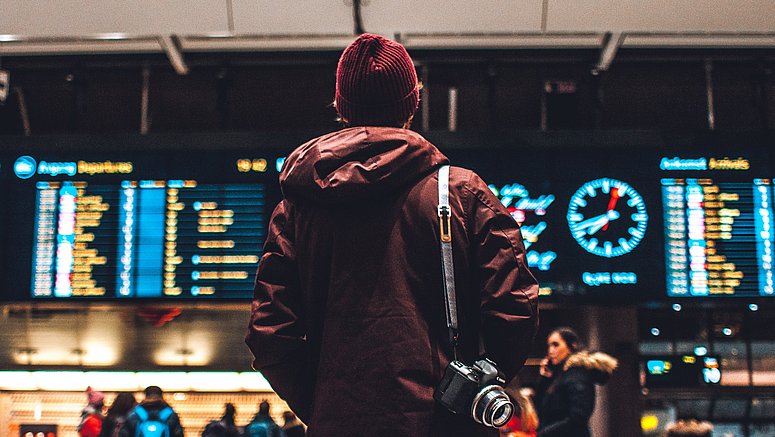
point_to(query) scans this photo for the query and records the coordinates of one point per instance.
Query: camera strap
(445, 234)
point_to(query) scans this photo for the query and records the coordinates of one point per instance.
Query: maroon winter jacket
(348, 318)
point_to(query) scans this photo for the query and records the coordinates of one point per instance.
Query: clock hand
(592, 222)
(593, 229)
(612, 203)
(603, 223)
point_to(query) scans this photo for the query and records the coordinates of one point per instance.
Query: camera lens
(492, 407)
(501, 412)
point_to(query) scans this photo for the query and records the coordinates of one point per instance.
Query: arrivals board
(718, 228)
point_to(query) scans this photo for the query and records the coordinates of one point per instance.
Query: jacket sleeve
(176, 429)
(509, 292)
(580, 393)
(276, 334)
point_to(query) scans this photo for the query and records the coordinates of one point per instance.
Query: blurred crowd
(154, 417)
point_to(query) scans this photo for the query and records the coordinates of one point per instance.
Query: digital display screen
(718, 228)
(589, 230)
(147, 225)
(578, 243)
(681, 371)
(637, 224)
(600, 223)
(147, 238)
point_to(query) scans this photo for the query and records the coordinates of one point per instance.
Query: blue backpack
(156, 427)
(258, 429)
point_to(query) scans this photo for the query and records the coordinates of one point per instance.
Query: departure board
(118, 228)
(147, 238)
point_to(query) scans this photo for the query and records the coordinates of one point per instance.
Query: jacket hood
(600, 365)
(358, 162)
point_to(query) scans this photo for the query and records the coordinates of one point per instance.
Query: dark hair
(228, 414)
(263, 407)
(123, 403)
(570, 337)
(153, 391)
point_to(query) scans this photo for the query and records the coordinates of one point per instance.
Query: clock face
(607, 217)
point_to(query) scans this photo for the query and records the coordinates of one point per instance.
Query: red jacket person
(348, 318)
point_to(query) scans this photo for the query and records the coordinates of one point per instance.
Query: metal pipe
(171, 46)
(23, 114)
(544, 15)
(230, 15)
(544, 109)
(709, 93)
(425, 105)
(144, 100)
(452, 113)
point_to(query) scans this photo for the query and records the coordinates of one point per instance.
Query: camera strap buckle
(445, 229)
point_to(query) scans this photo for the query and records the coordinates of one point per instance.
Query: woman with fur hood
(565, 395)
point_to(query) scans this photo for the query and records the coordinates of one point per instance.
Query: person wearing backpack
(152, 418)
(262, 424)
(114, 421)
(226, 427)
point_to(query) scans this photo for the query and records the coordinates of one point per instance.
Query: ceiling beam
(170, 45)
(611, 43)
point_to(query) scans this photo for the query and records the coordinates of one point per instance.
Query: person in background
(292, 426)
(117, 414)
(348, 318)
(566, 390)
(262, 424)
(689, 428)
(91, 415)
(152, 412)
(524, 422)
(226, 427)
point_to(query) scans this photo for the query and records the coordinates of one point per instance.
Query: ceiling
(180, 26)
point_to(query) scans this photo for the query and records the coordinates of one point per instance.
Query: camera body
(476, 391)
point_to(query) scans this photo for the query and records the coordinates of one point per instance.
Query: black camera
(476, 391)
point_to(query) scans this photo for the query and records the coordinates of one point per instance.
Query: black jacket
(110, 423)
(153, 408)
(566, 400)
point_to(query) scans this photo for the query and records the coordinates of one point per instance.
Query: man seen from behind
(349, 319)
(153, 417)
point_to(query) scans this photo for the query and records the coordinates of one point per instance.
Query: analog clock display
(607, 217)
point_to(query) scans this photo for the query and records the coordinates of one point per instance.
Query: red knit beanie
(94, 397)
(376, 83)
